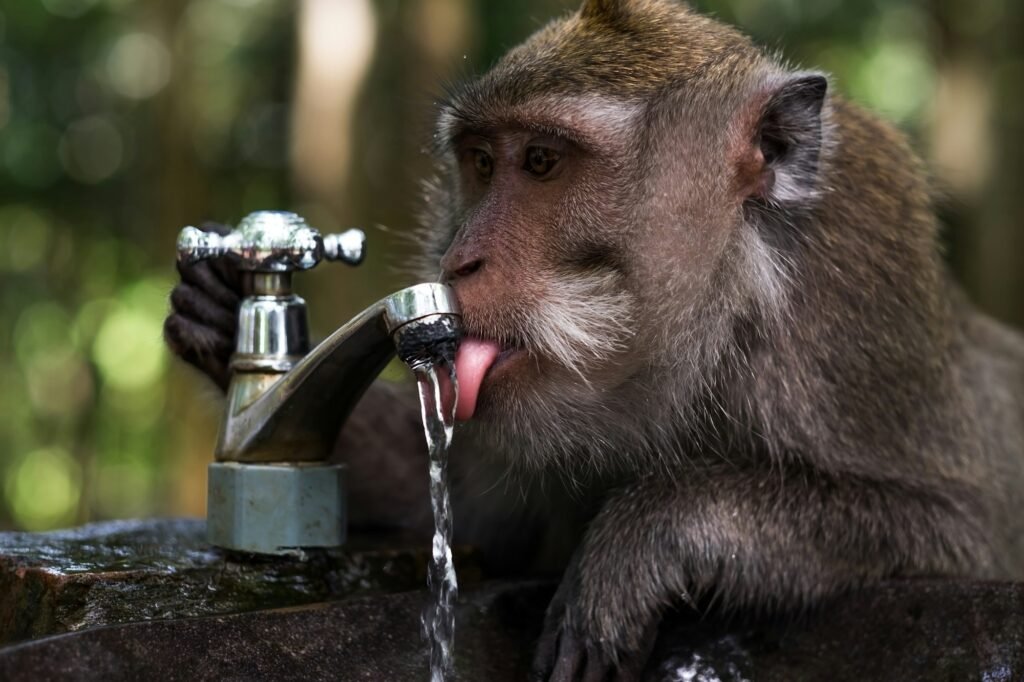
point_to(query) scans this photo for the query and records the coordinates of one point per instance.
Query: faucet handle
(348, 246)
(272, 241)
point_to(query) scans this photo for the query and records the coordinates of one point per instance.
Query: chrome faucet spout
(295, 416)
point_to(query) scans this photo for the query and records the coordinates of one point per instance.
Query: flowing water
(438, 388)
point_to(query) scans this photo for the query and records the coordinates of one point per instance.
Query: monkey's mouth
(475, 359)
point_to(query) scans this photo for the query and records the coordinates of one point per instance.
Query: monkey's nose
(460, 268)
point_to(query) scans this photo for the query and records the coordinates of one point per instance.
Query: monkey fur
(732, 367)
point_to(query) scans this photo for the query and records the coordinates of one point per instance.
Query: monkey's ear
(788, 141)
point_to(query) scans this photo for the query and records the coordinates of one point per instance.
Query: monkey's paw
(569, 652)
(203, 322)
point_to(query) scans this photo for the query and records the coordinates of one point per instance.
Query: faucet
(271, 489)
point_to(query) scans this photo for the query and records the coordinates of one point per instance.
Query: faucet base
(275, 508)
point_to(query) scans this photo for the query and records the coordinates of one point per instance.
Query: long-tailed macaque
(712, 349)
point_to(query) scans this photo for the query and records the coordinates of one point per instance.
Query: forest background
(123, 120)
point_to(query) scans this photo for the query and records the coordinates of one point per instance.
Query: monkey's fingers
(566, 659)
(198, 305)
(216, 274)
(576, 660)
(217, 279)
(204, 313)
(204, 347)
(564, 654)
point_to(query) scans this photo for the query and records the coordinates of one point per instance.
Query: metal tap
(271, 489)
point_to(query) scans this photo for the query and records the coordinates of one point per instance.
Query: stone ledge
(124, 571)
(150, 600)
(908, 630)
(367, 638)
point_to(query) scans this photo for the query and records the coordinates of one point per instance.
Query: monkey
(712, 352)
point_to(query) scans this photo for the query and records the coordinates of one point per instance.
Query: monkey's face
(538, 266)
(575, 282)
(599, 241)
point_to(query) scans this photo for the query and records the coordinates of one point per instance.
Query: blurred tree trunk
(181, 183)
(420, 45)
(335, 43)
(181, 188)
(977, 138)
(1001, 252)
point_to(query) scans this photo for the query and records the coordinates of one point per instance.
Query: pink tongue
(473, 359)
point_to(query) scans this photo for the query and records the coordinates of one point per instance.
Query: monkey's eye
(483, 163)
(540, 160)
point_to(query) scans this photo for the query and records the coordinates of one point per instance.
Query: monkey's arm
(752, 540)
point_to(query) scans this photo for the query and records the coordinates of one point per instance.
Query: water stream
(438, 388)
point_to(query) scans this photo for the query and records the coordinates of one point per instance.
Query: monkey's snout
(461, 262)
(467, 269)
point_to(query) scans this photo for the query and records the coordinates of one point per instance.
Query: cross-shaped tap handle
(272, 241)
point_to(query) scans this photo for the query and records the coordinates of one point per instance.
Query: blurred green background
(123, 120)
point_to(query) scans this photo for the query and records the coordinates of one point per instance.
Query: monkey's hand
(754, 538)
(203, 322)
(603, 620)
(588, 638)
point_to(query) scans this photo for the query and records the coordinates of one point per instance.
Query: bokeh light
(895, 79)
(138, 65)
(30, 153)
(42, 329)
(70, 9)
(129, 349)
(24, 238)
(43, 488)
(91, 149)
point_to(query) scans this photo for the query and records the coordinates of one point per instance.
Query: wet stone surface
(369, 638)
(915, 630)
(124, 571)
(149, 600)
